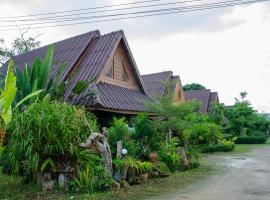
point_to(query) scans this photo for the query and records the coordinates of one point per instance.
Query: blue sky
(227, 50)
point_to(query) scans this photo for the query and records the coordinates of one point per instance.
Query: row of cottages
(107, 59)
(205, 97)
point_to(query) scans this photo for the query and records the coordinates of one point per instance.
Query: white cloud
(229, 61)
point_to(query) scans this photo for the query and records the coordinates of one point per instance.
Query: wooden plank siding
(178, 96)
(119, 61)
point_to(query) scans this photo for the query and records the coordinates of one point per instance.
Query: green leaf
(8, 94)
(33, 94)
(47, 162)
(80, 87)
(45, 68)
(35, 70)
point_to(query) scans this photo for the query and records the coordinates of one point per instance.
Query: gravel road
(241, 177)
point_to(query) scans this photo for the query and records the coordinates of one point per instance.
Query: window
(111, 71)
(124, 73)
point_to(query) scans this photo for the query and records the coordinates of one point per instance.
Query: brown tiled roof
(68, 50)
(121, 98)
(156, 83)
(87, 55)
(206, 97)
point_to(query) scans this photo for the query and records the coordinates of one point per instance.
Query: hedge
(217, 148)
(251, 139)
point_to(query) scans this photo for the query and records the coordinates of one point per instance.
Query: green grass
(11, 187)
(245, 148)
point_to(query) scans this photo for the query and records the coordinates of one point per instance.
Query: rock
(47, 186)
(116, 185)
(125, 184)
(61, 180)
(155, 174)
(132, 180)
(143, 178)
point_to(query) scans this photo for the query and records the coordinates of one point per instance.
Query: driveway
(240, 177)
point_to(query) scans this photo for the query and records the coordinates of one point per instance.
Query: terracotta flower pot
(153, 157)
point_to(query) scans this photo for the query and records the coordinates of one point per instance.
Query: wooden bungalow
(161, 84)
(105, 58)
(205, 97)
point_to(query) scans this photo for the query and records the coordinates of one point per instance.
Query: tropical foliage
(46, 130)
(193, 86)
(244, 120)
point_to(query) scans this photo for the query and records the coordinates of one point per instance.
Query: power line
(98, 11)
(149, 15)
(81, 9)
(130, 13)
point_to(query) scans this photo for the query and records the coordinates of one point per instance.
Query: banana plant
(8, 94)
(37, 77)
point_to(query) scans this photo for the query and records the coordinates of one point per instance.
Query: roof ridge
(198, 90)
(113, 32)
(157, 73)
(96, 31)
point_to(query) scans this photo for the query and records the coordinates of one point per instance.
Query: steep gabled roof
(86, 56)
(156, 83)
(97, 56)
(206, 97)
(68, 50)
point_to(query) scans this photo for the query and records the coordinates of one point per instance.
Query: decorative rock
(47, 186)
(61, 180)
(125, 184)
(116, 185)
(143, 178)
(132, 180)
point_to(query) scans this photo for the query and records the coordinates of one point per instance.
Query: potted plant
(153, 157)
(145, 168)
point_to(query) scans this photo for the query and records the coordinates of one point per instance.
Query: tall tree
(23, 44)
(193, 86)
(4, 53)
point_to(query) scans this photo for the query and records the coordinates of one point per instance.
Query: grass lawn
(244, 148)
(11, 187)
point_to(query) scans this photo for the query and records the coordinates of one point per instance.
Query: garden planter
(153, 157)
(2, 135)
(144, 178)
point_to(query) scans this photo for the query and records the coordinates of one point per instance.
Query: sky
(227, 50)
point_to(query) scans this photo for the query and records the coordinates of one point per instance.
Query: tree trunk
(99, 142)
(184, 160)
(119, 149)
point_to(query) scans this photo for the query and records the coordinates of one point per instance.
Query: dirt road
(241, 177)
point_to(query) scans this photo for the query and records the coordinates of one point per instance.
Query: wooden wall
(178, 96)
(119, 60)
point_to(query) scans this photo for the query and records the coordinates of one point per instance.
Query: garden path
(239, 177)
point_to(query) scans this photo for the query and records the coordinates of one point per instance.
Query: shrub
(169, 154)
(145, 135)
(91, 177)
(118, 132)
(253, 139)
(205, 133)
(163, 167)
(222, 146)
(145, 167)
(47, 131)
(228, 136)
(1, 153)
(102, 179)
